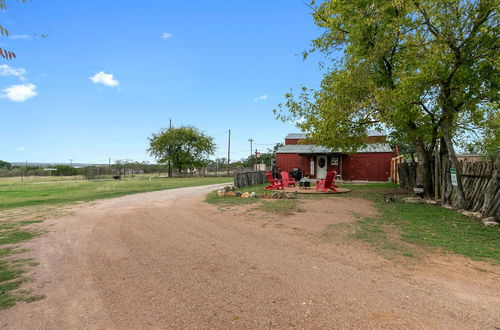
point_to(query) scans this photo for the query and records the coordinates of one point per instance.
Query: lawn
(18, 194)
(399, 227)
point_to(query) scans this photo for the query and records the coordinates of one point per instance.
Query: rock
(226, 188)
(413, 200)
(275, 195)
(283, 195)
(431, 202)
(221, 193)
(470, 214)
(253, 195)
(448, 207)
(490, 222)
(230, 194)
(266, 195)
(238, 193)
(291, 196)
(245, 195)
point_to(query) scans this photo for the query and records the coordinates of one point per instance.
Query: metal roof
(369, 132)
(296, 136)
(315, 149)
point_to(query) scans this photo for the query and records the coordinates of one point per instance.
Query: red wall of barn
(291, 141)
(371, 166)
(286, 162)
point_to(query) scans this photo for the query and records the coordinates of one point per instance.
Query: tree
(4, 32)
(423, 68)
(5, 165)
(185, 147)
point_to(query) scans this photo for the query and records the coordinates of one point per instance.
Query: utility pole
(70, 162)
(228, 152)
(26, 169)
(169, 165)
(251, 151)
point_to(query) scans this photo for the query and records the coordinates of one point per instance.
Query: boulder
(448, 207)
(431, 202)
(470, 214)
(238, 193)
(291, 196)
(245, 195)
(413, 200)
(221, 193)
(230, 194)
(490, 222)
(275, 195)
(253, 195)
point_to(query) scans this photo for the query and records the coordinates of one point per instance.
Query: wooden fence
(480, 181)
(395, 167)
(250, 178)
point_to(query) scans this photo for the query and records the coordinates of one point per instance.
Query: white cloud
(105, 79)
(19, 93)
(6, 70)
(20, 36)
(166, 35)
(20, 148)
(260, 98)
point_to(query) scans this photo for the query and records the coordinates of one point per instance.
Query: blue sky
(110, 73)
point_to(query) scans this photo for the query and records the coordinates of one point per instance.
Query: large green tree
(425, 68)
(184, 147)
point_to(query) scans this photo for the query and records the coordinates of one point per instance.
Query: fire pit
(304, 183)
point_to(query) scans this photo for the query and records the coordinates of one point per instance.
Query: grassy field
(17, 194)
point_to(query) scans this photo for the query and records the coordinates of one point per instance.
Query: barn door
(359, 167)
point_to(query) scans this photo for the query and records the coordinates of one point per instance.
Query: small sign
(335, 161)
(453, 173)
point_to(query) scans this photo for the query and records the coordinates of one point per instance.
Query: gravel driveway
(166, 259)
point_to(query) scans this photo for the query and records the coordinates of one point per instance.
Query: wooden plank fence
(250, 178)
(480, 180)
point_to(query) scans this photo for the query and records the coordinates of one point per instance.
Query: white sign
(453, 173)
(335, 161)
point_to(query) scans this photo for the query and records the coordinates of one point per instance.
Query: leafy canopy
(405, 65)
(184, 147)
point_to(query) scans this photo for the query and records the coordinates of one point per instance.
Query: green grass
(427, 225)
(12, 270)
(16, 194)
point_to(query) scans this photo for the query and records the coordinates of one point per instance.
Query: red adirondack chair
(327, 184)
(274, 183)
(286, 179)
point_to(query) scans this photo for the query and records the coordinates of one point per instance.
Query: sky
(108, 74)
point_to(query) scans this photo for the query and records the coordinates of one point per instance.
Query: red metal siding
(291, 141)
(286, 162)
(367, 166)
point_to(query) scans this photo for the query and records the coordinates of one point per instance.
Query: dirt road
(168, 260)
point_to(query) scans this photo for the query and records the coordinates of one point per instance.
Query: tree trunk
(424, 176)
(460, 201)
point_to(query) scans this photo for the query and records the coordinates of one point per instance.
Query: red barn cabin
(370, 163)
